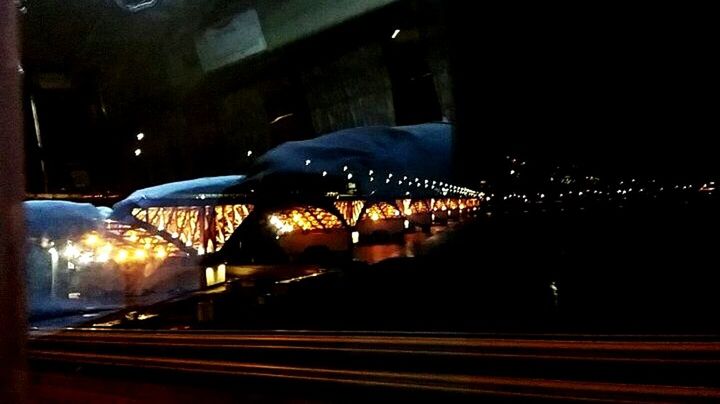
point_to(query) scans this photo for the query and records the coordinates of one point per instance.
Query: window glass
(413, 165)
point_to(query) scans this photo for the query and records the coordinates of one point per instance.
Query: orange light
(121, 256)
(92, 240)
(209, 276)
(140, 254)
(380, 211)
(304, 219)
(220, 273)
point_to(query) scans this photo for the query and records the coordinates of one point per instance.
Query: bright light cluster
(306, 219)
(409, 185)
(418, 206)
(444, 204)
(227, 220)
(120, 244)
(215, 275)
(350, 210)
(203, 228)
(381, 211)
(412, 207)
(281, 227)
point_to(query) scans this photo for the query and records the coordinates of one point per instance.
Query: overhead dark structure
(376, 161)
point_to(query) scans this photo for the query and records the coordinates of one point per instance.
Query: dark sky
(615, 88)
(620, 89)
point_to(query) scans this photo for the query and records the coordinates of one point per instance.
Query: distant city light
(370, 172)
(140, 136)
(512, 172)
(307, 162)
(324, 173)
(138, 152)
(249, 153)
(395, 34)
(355, 237)
(406, 224)
(349, 176)
(345, 168)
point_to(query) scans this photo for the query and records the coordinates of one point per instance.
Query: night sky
(617, 90)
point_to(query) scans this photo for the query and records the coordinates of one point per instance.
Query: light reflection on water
(374, 253)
